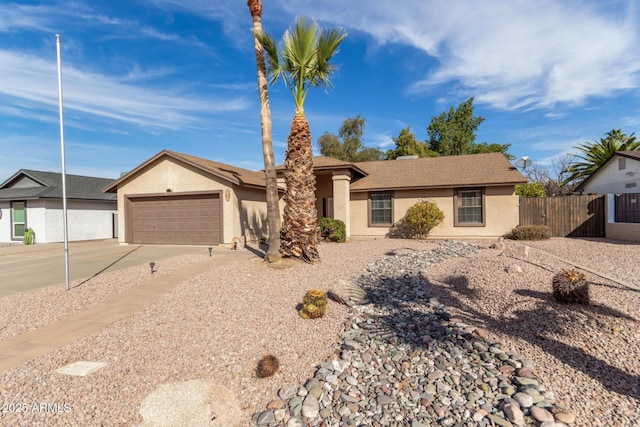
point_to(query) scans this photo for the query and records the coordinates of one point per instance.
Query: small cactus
(267, 366)
(314, 304)
(570, 286)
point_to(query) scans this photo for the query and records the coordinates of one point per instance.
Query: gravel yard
(218, 324)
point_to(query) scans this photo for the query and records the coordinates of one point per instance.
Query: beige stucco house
(175, 198)
(475, 192)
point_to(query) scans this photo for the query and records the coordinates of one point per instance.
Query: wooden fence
(628, 208)
(568, 216)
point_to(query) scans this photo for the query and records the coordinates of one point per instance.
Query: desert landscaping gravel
(218, 324)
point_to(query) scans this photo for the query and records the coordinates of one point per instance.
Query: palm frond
(594, 154)
(302, 57)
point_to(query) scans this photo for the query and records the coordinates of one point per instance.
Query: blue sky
(140, 76)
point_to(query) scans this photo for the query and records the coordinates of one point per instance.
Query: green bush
(421, 218)
(332, 230)
(531, 232)
(531, 189)
(29, 237)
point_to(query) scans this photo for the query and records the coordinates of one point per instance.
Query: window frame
(457, 204)
(327, 207)
(622, 163)
(370, 208)
(14, 236)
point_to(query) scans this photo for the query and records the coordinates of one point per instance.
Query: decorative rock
(312, 383)
(344, 291)
(266, 417)
(514, 268)
(310, 406)
(565, 417)
(295, 406)
(523, 399)
(526, 372)
(499, 420)
(287, 392)
(541, 414)
(507, 369)
(514, 413)
(522, 381)
(294, 422)
(275, 404)
(406, 360)
(166, 405)
(316, 392)
(481, 333)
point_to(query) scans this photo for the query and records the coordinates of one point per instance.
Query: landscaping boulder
(344, 291)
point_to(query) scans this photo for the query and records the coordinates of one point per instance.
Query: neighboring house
(618, 180)
(33, 199)
(619, 174)
(175, 198)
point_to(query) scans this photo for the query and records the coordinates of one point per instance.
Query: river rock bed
(406, 361)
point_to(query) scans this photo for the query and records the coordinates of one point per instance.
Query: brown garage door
(175, 220)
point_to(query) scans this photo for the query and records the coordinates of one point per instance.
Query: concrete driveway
(23, 268)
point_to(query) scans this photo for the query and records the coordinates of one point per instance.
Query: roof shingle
(77, 186)
(430, 172)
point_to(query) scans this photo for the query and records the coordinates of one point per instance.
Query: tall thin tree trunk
(299, 235)
(273, 208)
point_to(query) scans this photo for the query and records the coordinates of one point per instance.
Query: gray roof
(48, 185)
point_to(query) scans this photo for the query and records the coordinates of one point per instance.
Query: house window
(17, 220)
(327, 207)
(622, 163)
(380, 209)
(469, 207)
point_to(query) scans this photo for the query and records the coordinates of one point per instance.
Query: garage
(177, 219)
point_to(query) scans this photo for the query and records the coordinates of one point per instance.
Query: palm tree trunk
(273, 208)
(299, 234)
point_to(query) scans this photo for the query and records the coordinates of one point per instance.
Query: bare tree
(552, 176)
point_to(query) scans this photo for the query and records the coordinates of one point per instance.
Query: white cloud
(509, 54)
(33, 81)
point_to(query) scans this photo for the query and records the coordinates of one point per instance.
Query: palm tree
(593, 155)
(302, 61)
(273, 210)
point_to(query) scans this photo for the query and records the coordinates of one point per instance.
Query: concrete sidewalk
(34, 343)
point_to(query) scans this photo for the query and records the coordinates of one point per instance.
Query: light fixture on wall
(169, 190)
(227, 195)
(631, 173)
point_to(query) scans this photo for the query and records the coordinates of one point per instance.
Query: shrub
(531, 189)
(421, 218)
(531, 232)
(29, 237)
(570, 287)
(332, 230)
(314, 304)
(267, 366)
